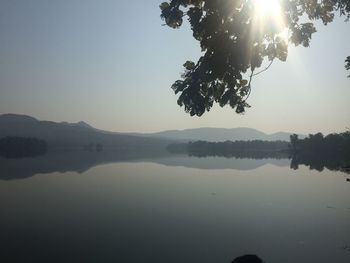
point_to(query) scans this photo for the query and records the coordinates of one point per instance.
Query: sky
(111, 63)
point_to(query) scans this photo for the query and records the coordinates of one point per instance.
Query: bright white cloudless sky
(111, 63)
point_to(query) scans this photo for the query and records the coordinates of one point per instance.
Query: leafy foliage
(235, 42)
(347, 65)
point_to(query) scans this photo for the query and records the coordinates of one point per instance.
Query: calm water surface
(173, 209)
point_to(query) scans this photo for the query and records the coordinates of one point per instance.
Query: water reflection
(319, 162)
(136, 210)
(81, 161)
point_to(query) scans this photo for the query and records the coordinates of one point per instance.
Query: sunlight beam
(269, 11)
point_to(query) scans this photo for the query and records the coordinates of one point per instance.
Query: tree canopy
(319, 151)
(236, 37)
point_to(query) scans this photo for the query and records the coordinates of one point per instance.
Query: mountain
(80, 123)
(72, 135)
(81, 134)
(222, 134)
(10, 118)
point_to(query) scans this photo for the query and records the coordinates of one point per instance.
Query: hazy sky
(111, 63)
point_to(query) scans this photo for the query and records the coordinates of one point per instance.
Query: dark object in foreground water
(248, 259)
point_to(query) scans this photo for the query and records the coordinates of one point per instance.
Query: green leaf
(164, 6)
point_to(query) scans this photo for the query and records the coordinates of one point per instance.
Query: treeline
(318, 151)
(241, 149)
(332, 144)
(17, 147)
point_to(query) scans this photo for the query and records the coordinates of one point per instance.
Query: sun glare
(270, 11)
(268, 8)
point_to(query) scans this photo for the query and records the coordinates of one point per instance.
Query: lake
(87, 208)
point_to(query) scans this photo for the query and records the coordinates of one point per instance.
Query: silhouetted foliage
(235, 41)
(293, 142)
(318, 151)
(17, 147)
(347, 65)
(255, 149)
(332, 144)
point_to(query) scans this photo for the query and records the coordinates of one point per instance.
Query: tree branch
(251, 77)
(264, 68)
(249, 87)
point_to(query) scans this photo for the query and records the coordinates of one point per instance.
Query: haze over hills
(223, 134)
(71, 135)
(64, 134)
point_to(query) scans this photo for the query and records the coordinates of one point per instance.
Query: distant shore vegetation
(331, 144)
(318, 151)
(240, 149)
(315, 151)
(18, 147)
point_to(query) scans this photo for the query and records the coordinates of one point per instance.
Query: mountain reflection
(81, 161)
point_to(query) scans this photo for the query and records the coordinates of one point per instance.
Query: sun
(268, 9)
(270, 13)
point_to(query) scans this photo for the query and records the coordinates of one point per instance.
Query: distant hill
(222, 134)
(79, 124)
(9, 118)
(64, 134)
(71, 135)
